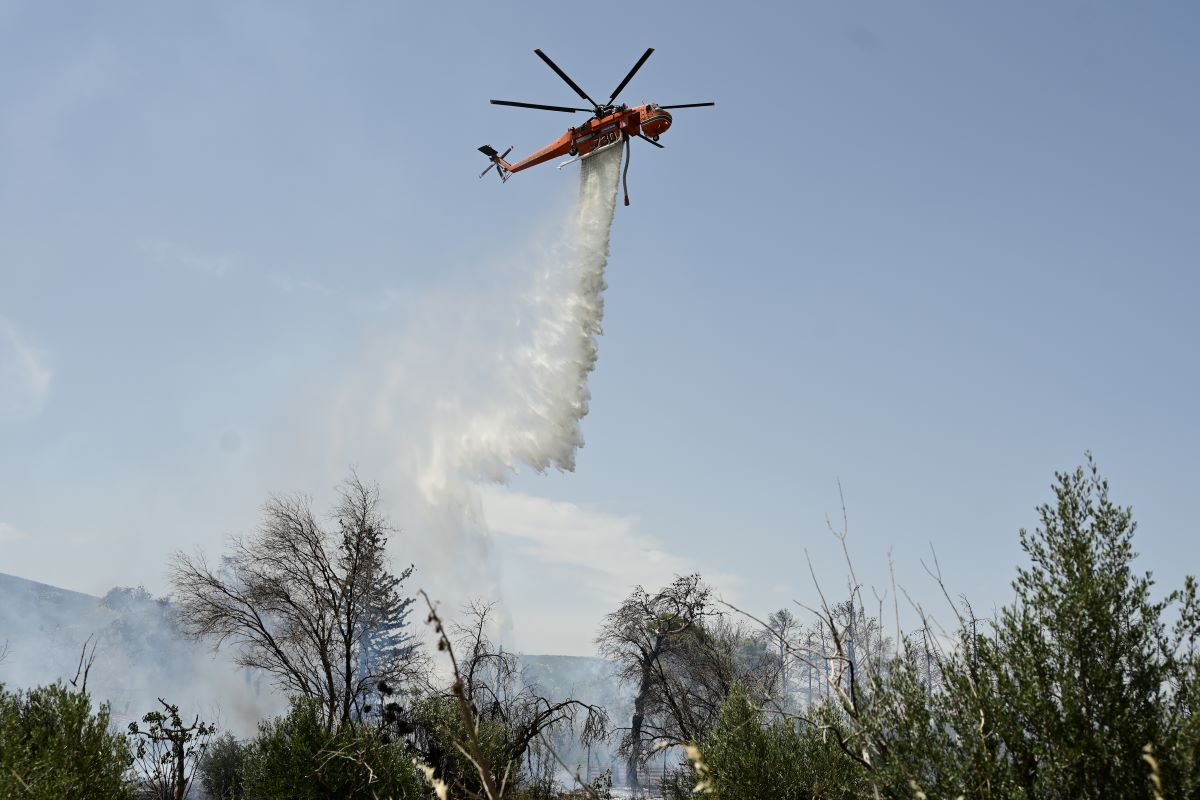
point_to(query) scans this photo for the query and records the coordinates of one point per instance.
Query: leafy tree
(1082, 665)
(53, 745)
(317, 609)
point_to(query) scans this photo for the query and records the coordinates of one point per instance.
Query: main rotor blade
(632, 72)
(691, 105)
(537, 105)
(565, 77)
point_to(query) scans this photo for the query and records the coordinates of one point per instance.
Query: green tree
(1082, 665)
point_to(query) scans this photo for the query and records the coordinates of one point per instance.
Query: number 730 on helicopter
(609, 125)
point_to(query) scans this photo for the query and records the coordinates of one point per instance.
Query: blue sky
(934, 250)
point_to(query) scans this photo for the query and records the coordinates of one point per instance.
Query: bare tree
(316, 608)
(781, 626)
(486, 689)
(489, 682)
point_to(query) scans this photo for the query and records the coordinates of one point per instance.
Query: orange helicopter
(609, 125)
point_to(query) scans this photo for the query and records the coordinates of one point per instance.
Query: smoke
(139, 653)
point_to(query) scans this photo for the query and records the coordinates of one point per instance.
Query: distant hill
(140, 654)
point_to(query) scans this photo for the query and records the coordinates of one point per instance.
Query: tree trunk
(635, 728)
(180, 778)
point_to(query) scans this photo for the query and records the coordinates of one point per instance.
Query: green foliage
(1059, 696)
(223, 768)
(53, 746)
(1063, 693)
(296, 757)
(748, 759)
(441, 724)
(1081, 664)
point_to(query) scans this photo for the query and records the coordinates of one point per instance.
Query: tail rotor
(497, 160)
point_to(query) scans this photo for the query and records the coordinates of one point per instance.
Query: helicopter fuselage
(649, 120)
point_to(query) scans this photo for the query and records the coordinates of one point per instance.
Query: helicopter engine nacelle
(655, 120)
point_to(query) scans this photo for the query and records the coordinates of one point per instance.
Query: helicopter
(608, 126)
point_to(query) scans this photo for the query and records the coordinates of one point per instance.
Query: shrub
(223, 768)
(296, 757)
(748, 760)
(53, 745)
(440, 729)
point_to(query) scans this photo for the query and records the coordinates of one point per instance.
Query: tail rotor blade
(632, 72)
(486, 171)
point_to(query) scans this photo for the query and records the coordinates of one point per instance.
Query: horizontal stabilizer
(488, 151)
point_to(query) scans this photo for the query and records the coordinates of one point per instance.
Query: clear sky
(935, 250)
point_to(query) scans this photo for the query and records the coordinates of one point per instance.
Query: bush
(296, 757)
(750, 760)
(223, 768)
(53, 746)
(440, 725)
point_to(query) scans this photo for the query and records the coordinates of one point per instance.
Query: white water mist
(533, 415)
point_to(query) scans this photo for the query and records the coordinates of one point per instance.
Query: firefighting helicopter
(609, 125)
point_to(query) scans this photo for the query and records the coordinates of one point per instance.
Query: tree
(1081, 665)
(317, 609)
(638, 637)
(167, 751)
(781, 625)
